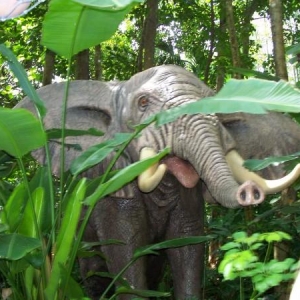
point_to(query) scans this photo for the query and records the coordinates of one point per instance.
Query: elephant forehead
(173, 93)
(167, 78)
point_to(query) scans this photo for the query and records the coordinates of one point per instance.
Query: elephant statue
(165, 202)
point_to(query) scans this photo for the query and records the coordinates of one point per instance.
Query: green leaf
(275, 266)
(261, 94)
(123, 177)
(122, 281)
(83, 26)
(69, 223)
(35, 259)
(66, 237)
(145, 123)
(21, 75)
(7, 164)
(141, 293)
(235, 262)
(15, 246)
(33, 212)
(108, 4)
(294, 49)
(253, 269)
(73, 289)
(230, 245)
(239, 236)
(94, 184)
(250, 96)
(242, 237)
(256, 246)
(89, 245)
(55, 133)
(97, 153)
(259, 164)
(266, 281)
(253, 73)
(39, 181)
(20, 132)
(13, 211)
(275, 236)
(174, 243)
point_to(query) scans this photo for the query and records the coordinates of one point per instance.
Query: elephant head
(200, 145)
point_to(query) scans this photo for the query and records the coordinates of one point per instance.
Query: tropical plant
(241, 260)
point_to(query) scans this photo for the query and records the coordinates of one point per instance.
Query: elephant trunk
(197, 152)
(197, 140)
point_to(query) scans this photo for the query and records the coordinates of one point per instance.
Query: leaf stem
(63, 138)
(242, 292)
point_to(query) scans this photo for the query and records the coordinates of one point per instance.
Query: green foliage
(20, 132)
(174, 243)
(65, 241)
(21, 75)
(123, 177)
(86, 23)
(38, 224)
(260, 164)
(15, 246)
(294, 51)
(256, 74)
(241, 260)
(118, 58)
(6, 164)
(22, 36)
(269, 216)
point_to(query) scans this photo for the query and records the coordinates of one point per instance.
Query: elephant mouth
(180, 168)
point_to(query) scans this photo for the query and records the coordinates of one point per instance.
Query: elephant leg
(123, 220)
(156, 265)
(94, 285)
(187, 262)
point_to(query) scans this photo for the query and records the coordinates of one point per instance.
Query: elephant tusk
(241, 174)
(149, 179)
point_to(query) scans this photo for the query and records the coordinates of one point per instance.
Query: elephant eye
(143, 103)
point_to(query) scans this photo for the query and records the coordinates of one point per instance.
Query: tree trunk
(235, 49)
(251, 8)
(97, 63)
(281, 249)
(275, 8)
(82, 65)
(212, 42)
(150, 33)
(147, 44)
(220, 47)
(140, 56)
(48, 67)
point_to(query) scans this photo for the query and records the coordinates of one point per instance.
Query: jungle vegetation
(215, 39)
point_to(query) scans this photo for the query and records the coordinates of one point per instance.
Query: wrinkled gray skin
(172, 210)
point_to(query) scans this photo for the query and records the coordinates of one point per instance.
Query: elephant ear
(90, 105)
